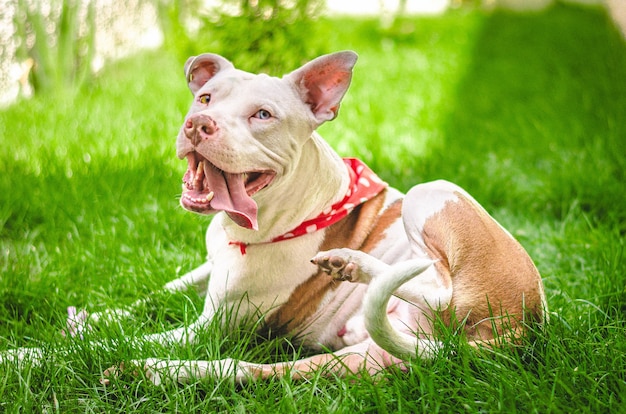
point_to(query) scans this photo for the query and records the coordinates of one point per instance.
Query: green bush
(248, 32)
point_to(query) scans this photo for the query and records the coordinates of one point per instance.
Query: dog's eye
(204, 99)
(263, 114)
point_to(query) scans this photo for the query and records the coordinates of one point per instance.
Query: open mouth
(207, 189)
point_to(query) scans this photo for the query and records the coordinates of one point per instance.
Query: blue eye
(263, 114)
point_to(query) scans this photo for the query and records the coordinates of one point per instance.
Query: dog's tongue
(230, 196)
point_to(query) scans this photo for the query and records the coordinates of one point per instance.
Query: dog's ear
(199, 69)
(323, 82)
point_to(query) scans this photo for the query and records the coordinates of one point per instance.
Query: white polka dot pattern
(364, 185)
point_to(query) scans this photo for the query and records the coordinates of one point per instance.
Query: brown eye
(204, 99)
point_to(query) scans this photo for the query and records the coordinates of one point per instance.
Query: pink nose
(199, 127)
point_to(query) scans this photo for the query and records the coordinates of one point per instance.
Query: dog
(320, 246)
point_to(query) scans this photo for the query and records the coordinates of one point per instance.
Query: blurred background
(50, 45)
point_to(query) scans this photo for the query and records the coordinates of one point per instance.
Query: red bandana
(364, 185)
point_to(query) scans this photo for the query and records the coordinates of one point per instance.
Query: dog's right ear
(199, 69)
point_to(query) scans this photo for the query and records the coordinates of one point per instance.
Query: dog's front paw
(338, 264)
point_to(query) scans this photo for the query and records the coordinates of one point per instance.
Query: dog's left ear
(323, 82)
(199, 69)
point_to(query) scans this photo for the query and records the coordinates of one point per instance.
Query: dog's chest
(279, 283)
(262, 278)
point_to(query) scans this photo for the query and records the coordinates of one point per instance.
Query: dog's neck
(299, 188)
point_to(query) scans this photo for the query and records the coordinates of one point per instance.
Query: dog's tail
(398, 344)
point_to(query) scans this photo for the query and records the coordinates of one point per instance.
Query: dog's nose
(200, 127)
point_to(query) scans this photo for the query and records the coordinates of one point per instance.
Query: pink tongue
(230, 196)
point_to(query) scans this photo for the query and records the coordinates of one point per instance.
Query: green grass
(525, 111)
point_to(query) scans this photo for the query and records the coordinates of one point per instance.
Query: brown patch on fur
(350, 232)
(495, 283)
(391, 214)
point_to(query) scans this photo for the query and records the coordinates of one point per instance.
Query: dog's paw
(151, 369)
(337, 263)
(112, 373)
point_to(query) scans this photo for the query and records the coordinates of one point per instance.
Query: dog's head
(244, 132)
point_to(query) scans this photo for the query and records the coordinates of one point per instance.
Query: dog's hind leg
(416, 281)
(497, 288)
(366, 356)
(424, 282)
(430, 290)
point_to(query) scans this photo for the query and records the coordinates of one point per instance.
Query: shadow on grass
(538, 121)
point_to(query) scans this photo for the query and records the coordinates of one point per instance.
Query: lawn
(526, 111)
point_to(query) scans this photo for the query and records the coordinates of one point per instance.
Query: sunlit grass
(525, 111)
